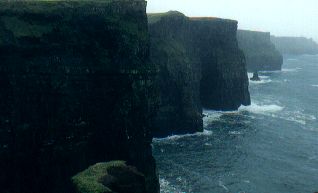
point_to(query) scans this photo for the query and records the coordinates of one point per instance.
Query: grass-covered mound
(110, 177)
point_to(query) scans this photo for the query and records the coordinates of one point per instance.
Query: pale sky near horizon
(280, 17)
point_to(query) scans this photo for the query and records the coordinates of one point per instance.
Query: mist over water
(268, 147)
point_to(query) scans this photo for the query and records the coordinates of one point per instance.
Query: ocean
(268, 147)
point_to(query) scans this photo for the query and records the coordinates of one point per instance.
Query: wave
(298, 117)
(261, 109)
(210, 116)
(291, 69)
(176, 137)
(262, 81)
(166, 187)
(235, 133)
(314, 85)
(292, 59)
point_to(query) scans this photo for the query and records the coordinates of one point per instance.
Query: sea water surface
(268, 147)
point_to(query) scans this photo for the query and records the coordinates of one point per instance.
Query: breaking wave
(261, 109)
(176, 137)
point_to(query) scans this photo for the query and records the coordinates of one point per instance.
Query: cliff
(75, 89)
(224, 83)
(199, 64)
(295, 45)
(259, 51)
(179, 75)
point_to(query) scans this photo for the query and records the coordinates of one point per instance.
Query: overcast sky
(280, 17)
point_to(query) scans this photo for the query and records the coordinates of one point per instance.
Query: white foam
(262, 81)
(166, 187)
(314, 85)
(211, 116)
(235, 133)
(176, 137)
(292, 59)
(291, 69)
(298, 117)
(261, 109)
(221, 184)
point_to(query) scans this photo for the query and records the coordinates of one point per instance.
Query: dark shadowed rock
(255, 77)
(75, 89)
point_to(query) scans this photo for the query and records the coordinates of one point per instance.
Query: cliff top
(14, 1)
(19, 2)
(52, 6)
(155, 17)
(252, 31)
(211, 19)
(293, 37)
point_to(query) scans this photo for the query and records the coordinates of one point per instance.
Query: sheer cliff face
(179, 75)
(295, 45)
(199, 63)
(224, 83)
(260, 52)
(75, 89)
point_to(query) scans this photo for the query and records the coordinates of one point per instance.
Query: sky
(280, 17)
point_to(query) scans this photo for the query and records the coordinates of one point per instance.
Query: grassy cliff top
(54, 6)
(89, 180)
(155, 17)
(6, 3)
(17, 1)
(252, 31)
(212, 19)
(110, 177)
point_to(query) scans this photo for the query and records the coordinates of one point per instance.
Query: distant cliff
(75, 89)
(199, 65)
(260, 52)
(295, 45)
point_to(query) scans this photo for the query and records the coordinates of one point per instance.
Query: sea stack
(255, 77)
(75, 89)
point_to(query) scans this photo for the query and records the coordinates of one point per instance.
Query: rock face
(179, 75)
(224, 83)
(260, 52)
(295, 45)
(199, 64)
(75, 89)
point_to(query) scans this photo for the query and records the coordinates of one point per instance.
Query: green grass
(88, 181)
(155, 17)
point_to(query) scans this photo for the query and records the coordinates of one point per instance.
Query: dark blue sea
(268, 147)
